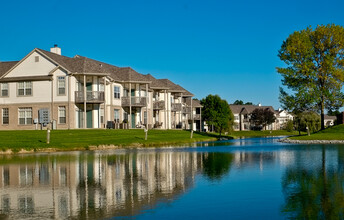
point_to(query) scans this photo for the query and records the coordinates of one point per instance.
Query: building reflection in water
(93, 185)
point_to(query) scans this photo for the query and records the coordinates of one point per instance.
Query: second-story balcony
(159, 105)
(91, 97)
(134, 101)
(197, 116)
(176, 107)
(186, 110)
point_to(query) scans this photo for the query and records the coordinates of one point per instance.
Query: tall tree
(315, 69)
(216, 113)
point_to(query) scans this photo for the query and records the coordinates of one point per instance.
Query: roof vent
(55, 49)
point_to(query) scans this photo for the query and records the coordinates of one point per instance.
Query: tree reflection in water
(216, 165)
(315, 193)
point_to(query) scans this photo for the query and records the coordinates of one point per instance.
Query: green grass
(83, 139)
(238, 134)
(332, 133)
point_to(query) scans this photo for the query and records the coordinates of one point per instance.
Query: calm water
(238, 179)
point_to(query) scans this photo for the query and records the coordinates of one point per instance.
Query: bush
(289, 126)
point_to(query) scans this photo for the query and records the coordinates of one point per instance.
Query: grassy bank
(83, 139)
(332, 133)
(238, 134)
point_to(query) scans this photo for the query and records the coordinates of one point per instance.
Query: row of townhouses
(242, 117)
(78, 92)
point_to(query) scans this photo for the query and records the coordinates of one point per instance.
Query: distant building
(282, 117)
(242, 116)
(329, 120)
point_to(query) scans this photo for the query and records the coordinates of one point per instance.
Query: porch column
(69, 100)
(129, 117)
(105, 119)
(85, 97)
(200, 120)
(165, 96)
(146, 108)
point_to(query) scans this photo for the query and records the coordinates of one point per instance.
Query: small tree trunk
(322, 116)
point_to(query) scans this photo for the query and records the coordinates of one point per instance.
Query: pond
(237, 179)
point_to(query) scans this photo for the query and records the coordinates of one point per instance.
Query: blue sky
(227, 48)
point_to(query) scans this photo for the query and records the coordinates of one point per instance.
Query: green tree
(261, 117)
(315, 69)
(308, 121)
(240, 102)
(216, 113)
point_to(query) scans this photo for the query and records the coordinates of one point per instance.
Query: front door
(89, 118)
(133, 123)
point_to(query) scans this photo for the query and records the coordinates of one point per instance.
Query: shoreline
(290, 141)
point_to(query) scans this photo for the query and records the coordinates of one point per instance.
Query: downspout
(52, 101)
(129, 118)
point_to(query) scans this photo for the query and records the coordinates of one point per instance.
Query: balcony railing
(197, 116)
(186, 110)
(135, 101)
(91, 97)
(159, 105)
(176, 107)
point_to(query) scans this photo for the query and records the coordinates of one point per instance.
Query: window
(116, 115)
(5, 116)
(62, 115)
(61, 85)
(4, 89)
(24, 88)
(102, 116)
(25, 116)
(36, 59)
(116, 92)
(236, 118)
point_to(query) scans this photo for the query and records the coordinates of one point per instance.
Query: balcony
(197, 116)
(135, 101)
(186, 110)
(91, 97)
(176, 107)
(159, 105)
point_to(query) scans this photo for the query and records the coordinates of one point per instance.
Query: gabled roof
(156, 83)
(247, 109)
(196, 103)
(80, 64)
(127, 74)
(175, 87)
(6, 66)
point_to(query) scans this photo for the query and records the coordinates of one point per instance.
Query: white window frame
(61, 85)
(4, 87)
(62, 115)
(27, 116)
(5, 114)
(116, 115)
(26, 86)
(116, 92)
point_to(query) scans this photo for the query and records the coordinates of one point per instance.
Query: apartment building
(47, 89)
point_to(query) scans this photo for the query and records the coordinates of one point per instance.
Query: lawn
(332, 133)
(83, 139)
(239, 134)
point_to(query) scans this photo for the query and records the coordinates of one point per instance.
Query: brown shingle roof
(196, 103)
(80, 64)
(156, 83)
(6, 66)
(237, 109)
